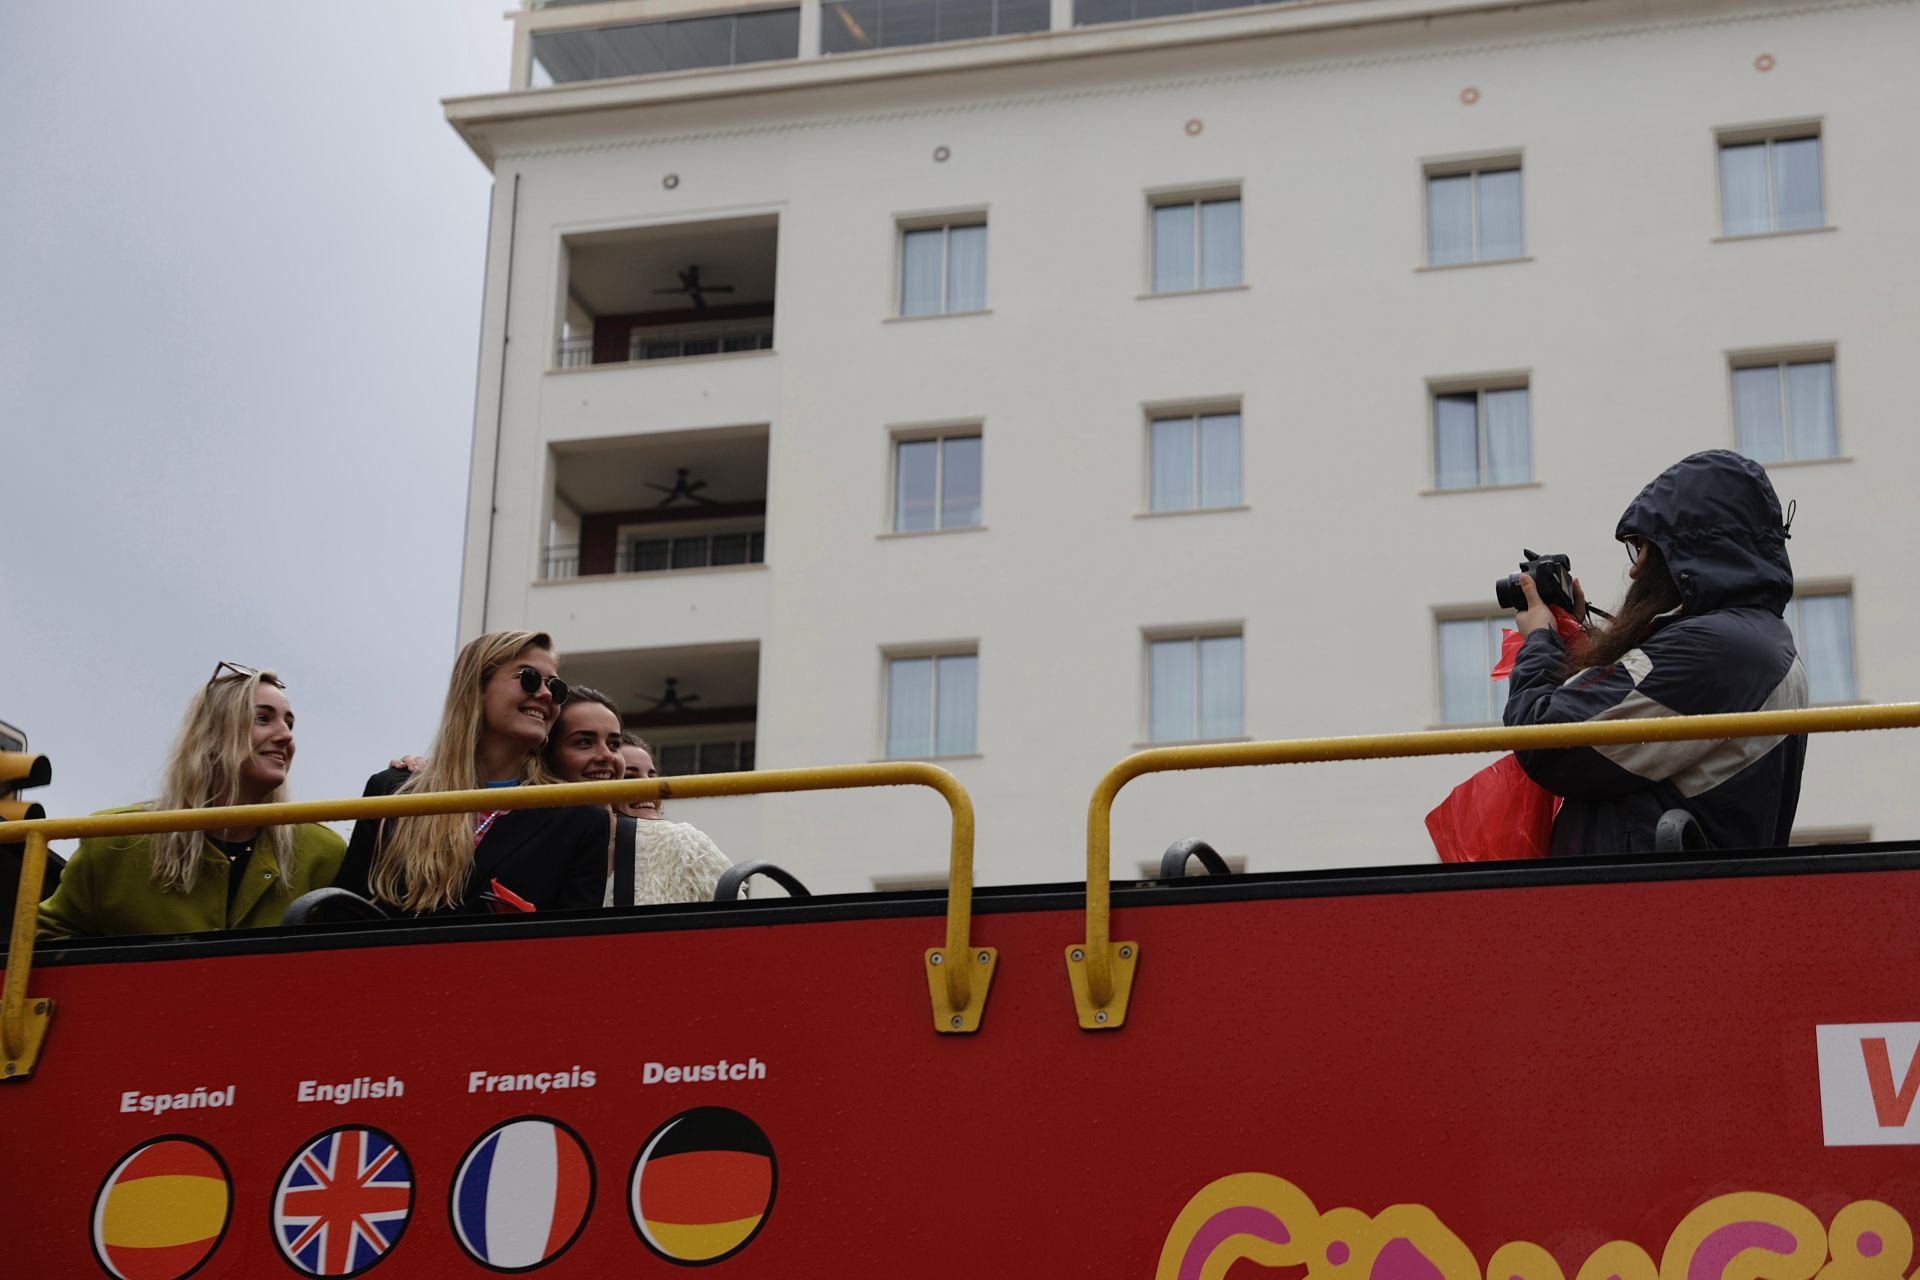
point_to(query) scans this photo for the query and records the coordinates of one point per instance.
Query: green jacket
(106, 888)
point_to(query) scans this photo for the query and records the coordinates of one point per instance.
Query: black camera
(1552, 578)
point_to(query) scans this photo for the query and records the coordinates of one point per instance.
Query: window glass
(699, 42)
(1456, 441)
(910, 707)
(1823, 632)
(1220, 460)
(1450, 219)
(1757, 413)
(922, 255)
(1744, 189)
(967, 268)
(957, 685)
(1810, 409)
(1500, 223)
(765, 36)
(849, 25)
(1220, 702)
(1170, 690)
(916, 482)
(1796, 183)
(960, 482)
(1509, 454)
(965, 19)
(1173, 246)
(1173, 481)
(1469, 650)
(1219, 243)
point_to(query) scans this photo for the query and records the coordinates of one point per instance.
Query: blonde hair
(422, 863)
(215, 742)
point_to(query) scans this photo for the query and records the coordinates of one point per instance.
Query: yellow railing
(1101, 970)
(958, 973)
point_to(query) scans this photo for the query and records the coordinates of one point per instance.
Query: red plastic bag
(1510, 641)
(1496, 815)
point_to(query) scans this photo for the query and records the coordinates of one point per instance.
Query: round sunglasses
(531, 680)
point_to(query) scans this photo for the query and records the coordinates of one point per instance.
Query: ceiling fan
(670, 698)
(691, 286)
(681, 488)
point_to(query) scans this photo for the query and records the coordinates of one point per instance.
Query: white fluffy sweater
(672, 862)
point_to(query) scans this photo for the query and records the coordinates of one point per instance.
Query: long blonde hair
(422, 863)
(215, 742)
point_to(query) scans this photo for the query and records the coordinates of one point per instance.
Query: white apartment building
(1016, 383)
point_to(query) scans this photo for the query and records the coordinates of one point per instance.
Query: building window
(1770, 183)
(1823, 632)
(1194, 688)
(933, 705)
(684, 759)
(1469, 649)
(1481, 437)
(936, 483)
(1783, 410)
(677, 44)
(847, 26)
(1473, 214)
(645, 552)
(1196, 461)
(1196, 244)
(943, 269)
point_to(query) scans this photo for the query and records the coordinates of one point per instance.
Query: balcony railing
(577, 351)
(665, 554)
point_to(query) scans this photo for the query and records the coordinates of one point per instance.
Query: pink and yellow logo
(1748, 1235)
(162, 1211)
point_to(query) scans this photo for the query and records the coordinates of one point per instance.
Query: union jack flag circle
(343, 1202)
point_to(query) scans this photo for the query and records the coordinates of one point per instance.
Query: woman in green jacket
(235, 747)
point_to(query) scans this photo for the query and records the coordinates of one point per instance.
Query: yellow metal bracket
(1104, 1011)
(23, 1019)
(952, 1016)
(1102, 973)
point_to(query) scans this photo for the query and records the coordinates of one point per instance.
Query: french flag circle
(522, 1194)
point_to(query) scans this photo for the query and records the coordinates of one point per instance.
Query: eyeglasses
(1636, 545)
(231, 671)
(531, 680)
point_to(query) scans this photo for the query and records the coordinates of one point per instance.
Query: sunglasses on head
(531, 680)
(231, 671)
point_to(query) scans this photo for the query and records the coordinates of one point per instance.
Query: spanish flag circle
(162, 1211)
(703, 1186)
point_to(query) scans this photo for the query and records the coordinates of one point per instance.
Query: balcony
(673, 529)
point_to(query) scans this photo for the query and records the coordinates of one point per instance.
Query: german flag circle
(163, 1210)
(703, 1186)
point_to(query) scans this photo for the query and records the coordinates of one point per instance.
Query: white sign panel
(1870, 1083)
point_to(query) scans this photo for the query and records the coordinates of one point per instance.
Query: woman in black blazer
(501, 701)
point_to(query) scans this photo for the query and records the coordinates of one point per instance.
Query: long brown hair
(1653, 593)
(422, 863)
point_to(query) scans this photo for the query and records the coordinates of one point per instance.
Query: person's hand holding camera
(1537, 614)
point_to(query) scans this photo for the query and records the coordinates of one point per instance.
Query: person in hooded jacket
(1700, 632)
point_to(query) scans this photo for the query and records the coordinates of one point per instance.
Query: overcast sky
(241, 259)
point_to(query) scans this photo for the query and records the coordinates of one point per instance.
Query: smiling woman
(235, 747)
(502, 700)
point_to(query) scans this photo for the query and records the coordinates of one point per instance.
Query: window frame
(1770, 134)
(1193, 411)
(946, 223)
(1470, 167)
(1779, 358)
(1193, 635)
(1499, 621)
(937, 434)
(1478, 387)
(933, 652)
(1194, 197)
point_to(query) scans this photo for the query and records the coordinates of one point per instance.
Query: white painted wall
(1622, 316)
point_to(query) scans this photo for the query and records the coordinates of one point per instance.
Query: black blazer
(554, 858)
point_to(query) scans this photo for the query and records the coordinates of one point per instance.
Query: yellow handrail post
(1101, 972)
(23, 1029)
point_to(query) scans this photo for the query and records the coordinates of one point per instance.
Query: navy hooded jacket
(1715, 518)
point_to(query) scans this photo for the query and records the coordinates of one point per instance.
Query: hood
(1716, 519)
